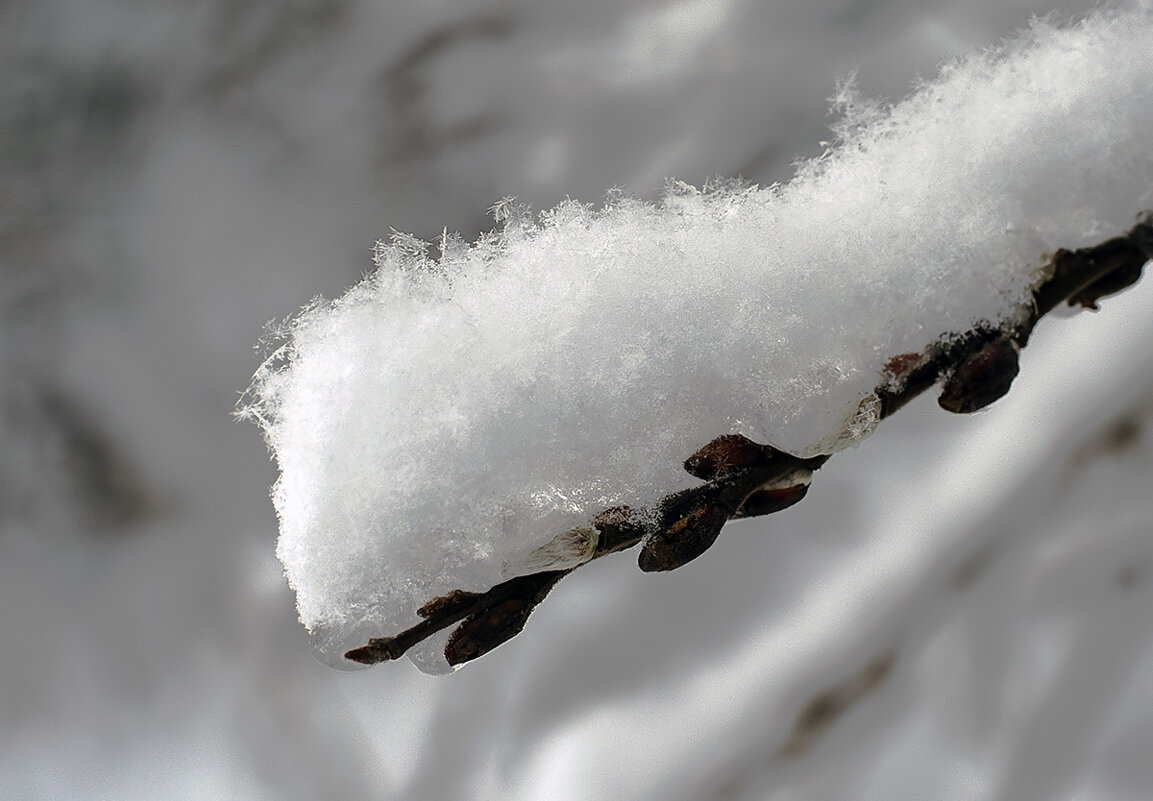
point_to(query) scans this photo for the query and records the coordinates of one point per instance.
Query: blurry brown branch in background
(747, 479)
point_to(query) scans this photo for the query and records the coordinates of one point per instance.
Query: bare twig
(744, 478)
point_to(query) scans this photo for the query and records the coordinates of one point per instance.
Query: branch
(746, 479)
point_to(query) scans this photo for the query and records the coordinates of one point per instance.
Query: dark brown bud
(684, 540)
(982, 378)
(481, 633)
(724, 455)
(767, 501)
(619, 526)
(1129, 260)
(499, 623)
(614, 516)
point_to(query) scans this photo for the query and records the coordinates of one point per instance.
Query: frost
(565, 550)
(452, 419)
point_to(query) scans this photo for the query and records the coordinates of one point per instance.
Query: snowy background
(960, 609)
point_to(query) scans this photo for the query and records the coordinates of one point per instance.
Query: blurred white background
(959, 610)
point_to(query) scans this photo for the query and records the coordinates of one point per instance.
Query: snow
(450, 415)
(177, 174)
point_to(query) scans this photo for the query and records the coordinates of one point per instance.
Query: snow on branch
(458, 433)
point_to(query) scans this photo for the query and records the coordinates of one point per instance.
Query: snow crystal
(438, 426)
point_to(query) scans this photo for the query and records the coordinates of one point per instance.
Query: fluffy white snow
(450, 414)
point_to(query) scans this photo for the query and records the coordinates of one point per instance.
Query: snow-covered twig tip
(459, 432)
(748, 479)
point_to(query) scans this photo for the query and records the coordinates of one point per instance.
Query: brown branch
(746, 479)
(442, 612)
